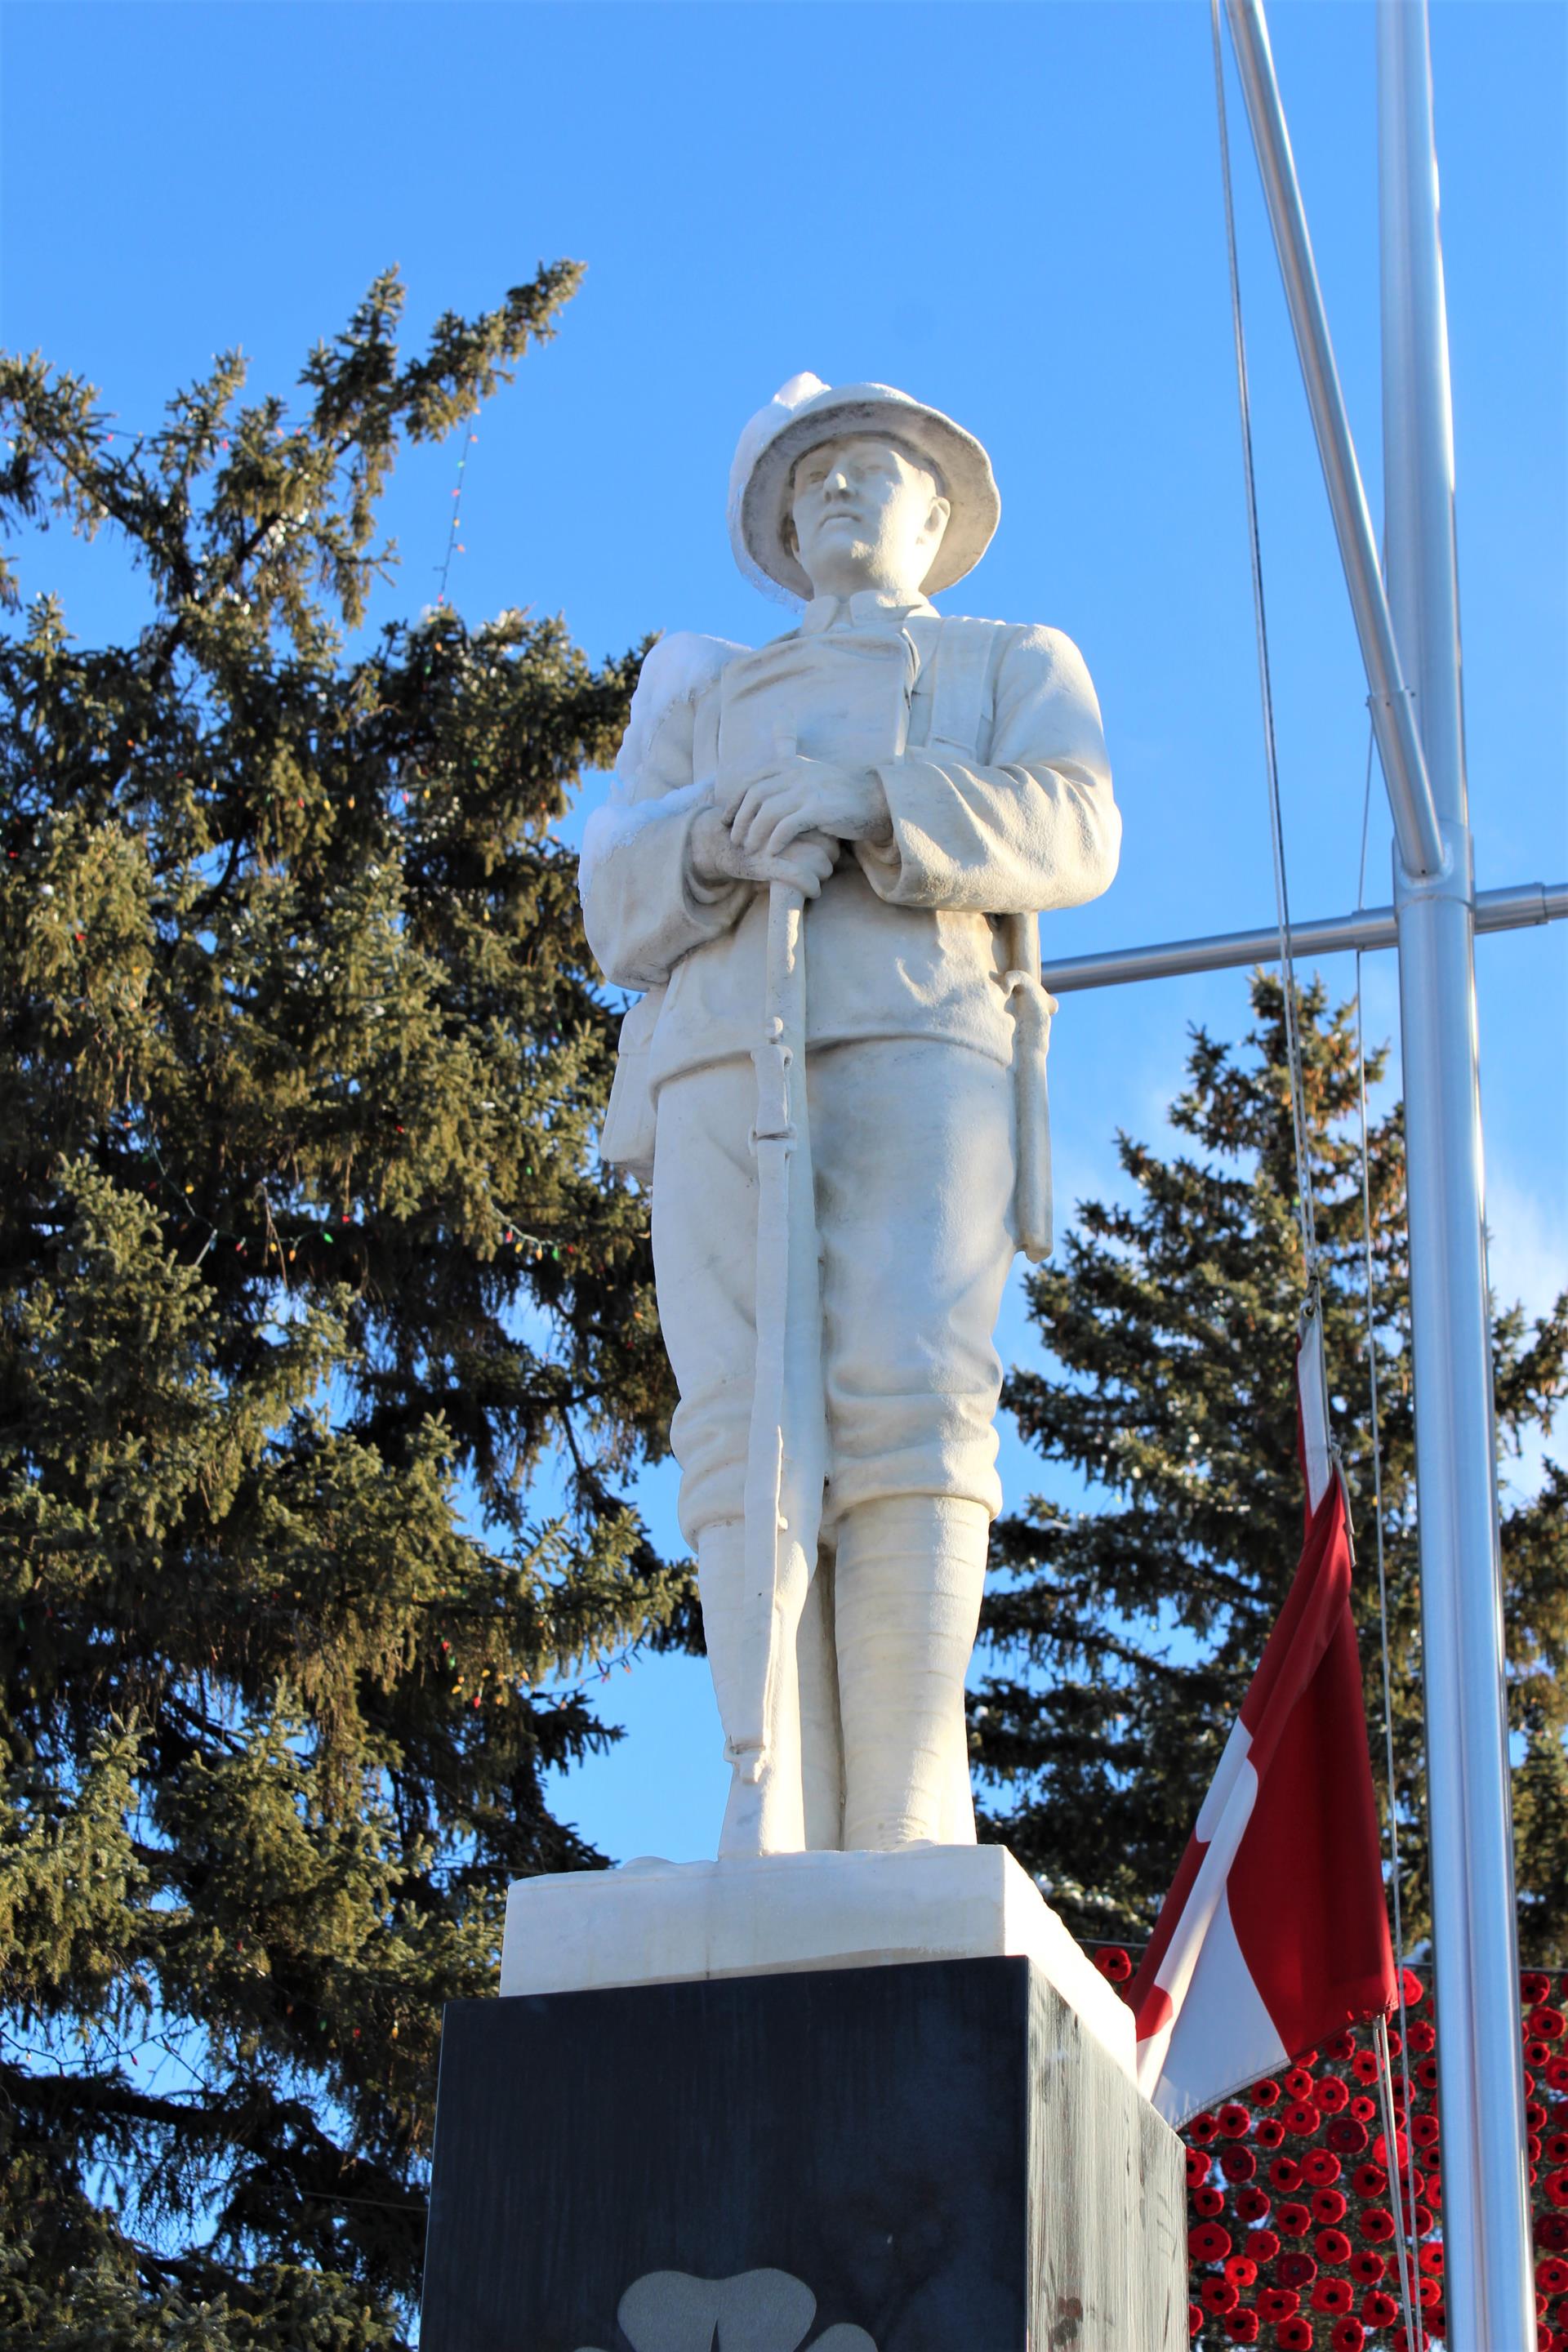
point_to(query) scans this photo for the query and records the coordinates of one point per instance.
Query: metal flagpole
(1488, 2284)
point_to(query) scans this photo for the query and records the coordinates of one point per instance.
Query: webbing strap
(961, 660)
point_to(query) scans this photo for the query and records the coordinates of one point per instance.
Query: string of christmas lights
(454, 544)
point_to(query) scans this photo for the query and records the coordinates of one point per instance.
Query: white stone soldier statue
(921, 779)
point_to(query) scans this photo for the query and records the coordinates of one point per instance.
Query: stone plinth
(941, 2156)
(671, 1923)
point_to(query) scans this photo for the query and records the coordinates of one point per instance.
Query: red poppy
(1295, 2270)
(1548, 2023)
(1241, 2326)
(1431, 2258)
(1423, 2222)
(1533, 1987)
(1285, 2172)
(1333, 2294)
(1347, 2135)
(1378, 2309)
(1301, 2119)
(1209, 2242)
(1208, 2204)
(1199, 2167)
(1265, 2093)
(1366, 2066)
(1552, 2229)
(1328, 2204)
(1414, 1990)
(1369, 2180)
(1556, 2187)
(1423, 2035)
(1425, 2131)
(1332, 2246)
(1551, 2275)
(1269, 2131)
(1426, 2072)
(1113, 1962)
(1238, 2164)
(1241, 2270)
(1203, 2129)
(1430, 2291)
(1377, 2225)
(1217, 2296)
(1331, 2094)
(1321, 2169)
(1339, 2046)
(1348, 2336)
(1277, 2303)
(1195, 2318)
(1252, 2205)
(1299, 2084)
(1294, 2335)
(1294, 2220)
(1265, 2245)
(1557, 2073)
(1367, 2268)
(1362, 2108)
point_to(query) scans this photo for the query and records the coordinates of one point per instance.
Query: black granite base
(925, 2158)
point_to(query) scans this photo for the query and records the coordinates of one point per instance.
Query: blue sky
(1010, 210)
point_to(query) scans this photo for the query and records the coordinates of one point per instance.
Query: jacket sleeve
(642, 908)
(1033, 828)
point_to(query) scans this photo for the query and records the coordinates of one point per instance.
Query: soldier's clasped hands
(802, 796)
(717, 856)
(787, 825)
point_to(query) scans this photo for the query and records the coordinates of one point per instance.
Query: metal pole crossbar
(1513, 910)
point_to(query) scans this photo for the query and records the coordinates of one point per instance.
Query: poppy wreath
(1296, 2196)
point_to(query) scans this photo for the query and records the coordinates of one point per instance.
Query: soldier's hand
(802, 796)
(717, 856)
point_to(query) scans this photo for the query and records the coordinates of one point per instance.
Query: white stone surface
(673, 1923)
(829, 1273)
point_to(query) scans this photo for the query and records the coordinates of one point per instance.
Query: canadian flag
(1275, 1934)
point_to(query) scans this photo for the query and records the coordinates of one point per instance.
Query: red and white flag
(1275, 1934)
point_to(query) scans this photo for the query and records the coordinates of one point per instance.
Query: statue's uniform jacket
(1001, 803)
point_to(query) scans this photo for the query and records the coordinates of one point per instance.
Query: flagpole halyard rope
(1376, 1434)
(1402, 2248)
(1306, 1206)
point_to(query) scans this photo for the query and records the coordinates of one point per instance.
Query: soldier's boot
(910, 1572)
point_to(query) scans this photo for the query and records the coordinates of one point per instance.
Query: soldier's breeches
(911, 1145)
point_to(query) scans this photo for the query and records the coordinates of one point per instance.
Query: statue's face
(866, 515)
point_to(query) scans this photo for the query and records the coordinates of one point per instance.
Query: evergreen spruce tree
(306, 1267)
(1122, 1636)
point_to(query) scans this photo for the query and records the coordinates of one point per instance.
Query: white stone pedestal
(678, 1923)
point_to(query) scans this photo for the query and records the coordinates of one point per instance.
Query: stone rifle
(844, 697)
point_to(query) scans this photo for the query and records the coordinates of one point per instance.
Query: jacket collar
(867, 606)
